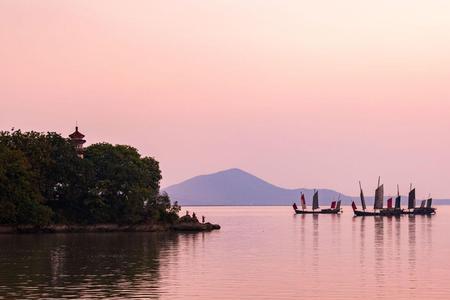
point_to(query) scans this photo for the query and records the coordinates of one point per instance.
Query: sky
(315, 94)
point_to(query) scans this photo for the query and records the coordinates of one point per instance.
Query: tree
(42, 180)
(161, 209)
(20, 200)
(52, 158)
(122, 183)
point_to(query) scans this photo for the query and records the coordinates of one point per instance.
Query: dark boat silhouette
(425, 206)
(378, 209)
(335, 207)
(390, 211)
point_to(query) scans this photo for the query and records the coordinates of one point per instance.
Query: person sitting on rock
(194, 217)
(203, 219)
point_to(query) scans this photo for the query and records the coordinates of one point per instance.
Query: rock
(188, 223)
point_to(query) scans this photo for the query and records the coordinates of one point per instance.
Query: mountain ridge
(238, 187)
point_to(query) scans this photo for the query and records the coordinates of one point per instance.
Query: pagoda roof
(76, 134)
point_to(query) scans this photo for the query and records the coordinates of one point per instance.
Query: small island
(49, 183)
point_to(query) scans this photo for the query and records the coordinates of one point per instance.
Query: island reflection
(85, 265)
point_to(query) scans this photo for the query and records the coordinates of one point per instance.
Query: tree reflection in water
(84, 265)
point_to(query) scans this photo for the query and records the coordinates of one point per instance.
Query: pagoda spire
(77, 140)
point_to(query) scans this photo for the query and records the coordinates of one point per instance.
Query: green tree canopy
(42, 179)
(122, 183)
(20, 199)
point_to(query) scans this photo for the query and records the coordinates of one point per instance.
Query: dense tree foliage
(42, 180)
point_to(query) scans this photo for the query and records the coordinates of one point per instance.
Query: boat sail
(361, 195)
(389, 203)
(379, 195)
(398, 200)
(315, 203)
(412, 199)
(422, 204)
(303, 201)
(338, 205)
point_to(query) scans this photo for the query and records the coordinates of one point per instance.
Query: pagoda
(77, 139)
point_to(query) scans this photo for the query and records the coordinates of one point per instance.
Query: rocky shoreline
(62, 228)
(195, 227)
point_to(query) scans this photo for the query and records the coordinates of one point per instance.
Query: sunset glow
(301, 93)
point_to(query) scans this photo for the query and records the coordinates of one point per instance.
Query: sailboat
(362, 213)
(334, 209)
(378, 209)
(425, 207)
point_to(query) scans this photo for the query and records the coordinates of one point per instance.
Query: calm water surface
(260, 253)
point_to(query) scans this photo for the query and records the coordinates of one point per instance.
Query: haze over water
(260, 253)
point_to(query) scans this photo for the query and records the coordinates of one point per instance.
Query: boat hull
(362, 213)
(421, 211)
(322, 211)
(382, 213)
(331, 211)
(391, 212)
(395, 212)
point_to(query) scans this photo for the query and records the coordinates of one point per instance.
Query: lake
(260, 253)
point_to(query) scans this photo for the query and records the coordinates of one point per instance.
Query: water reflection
(70, 265)
(362, 247)
(412, 253)
(315, 244)
(398, 239)
(260, 253)
(379, 254)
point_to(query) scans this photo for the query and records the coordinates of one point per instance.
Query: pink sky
(301, 93)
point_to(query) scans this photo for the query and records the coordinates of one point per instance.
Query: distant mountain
(237, 187)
